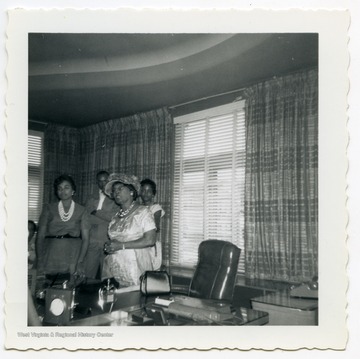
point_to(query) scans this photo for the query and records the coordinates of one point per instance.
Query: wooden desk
(123, 317)
(128, 310)
(286, 310)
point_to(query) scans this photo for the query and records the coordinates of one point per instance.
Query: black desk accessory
(59, 304)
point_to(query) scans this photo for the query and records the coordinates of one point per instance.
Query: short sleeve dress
(157, 258)
(61, 253)
(126, 266)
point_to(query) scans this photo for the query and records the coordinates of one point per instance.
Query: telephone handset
(306, 290)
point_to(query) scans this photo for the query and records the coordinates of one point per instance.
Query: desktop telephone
(306, 290)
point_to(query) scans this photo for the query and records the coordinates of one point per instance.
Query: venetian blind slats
(35, 174)
(208, 182)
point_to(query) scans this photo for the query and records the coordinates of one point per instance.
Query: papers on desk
(196, 309)
(163, 302)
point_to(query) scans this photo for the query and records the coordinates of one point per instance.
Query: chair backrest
(214, 276)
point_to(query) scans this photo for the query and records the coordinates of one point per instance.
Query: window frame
(218, 111)
(34, 214)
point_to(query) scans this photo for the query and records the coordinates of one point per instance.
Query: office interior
(118, 102)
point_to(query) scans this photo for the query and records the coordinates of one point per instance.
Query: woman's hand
(80, 269)
(111, 247)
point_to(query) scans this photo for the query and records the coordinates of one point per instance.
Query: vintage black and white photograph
(191, 155)
(173, 180)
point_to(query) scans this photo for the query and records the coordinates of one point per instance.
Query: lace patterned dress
(126, 266)
(157, 259)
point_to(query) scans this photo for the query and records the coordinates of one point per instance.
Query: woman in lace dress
(132, 233)
(147, 194)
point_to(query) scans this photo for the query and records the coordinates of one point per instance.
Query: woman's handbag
(155, 282)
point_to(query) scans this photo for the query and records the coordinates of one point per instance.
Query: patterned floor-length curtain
(281, 198)
(61, 148)
(139, 145)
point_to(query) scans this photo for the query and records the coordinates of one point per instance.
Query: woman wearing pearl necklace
(132, 233)
(63, 234)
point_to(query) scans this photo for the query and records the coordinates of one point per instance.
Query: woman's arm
(84, 244)
(147, 240)
(85, 229)
(157, 217)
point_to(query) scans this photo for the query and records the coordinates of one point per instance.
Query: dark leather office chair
(215, 273)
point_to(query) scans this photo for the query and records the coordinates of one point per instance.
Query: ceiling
(81, 79)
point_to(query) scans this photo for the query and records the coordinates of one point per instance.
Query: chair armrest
(180, 289)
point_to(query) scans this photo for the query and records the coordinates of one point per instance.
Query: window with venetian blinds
(208, 181)
(35, 174)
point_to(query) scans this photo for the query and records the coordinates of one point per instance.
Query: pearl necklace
(123, 213)
(65, 216)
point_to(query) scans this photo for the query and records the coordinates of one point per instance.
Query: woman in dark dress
(63, 232)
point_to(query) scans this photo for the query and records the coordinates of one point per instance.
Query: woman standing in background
(63, 233)
(147, 194)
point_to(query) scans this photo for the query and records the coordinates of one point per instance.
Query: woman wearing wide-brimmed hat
(132, 233)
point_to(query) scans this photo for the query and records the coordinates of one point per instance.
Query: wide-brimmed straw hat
(123, 178)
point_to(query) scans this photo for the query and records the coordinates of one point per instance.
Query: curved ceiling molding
(141, 59)
(83, 98)
(173, 66)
